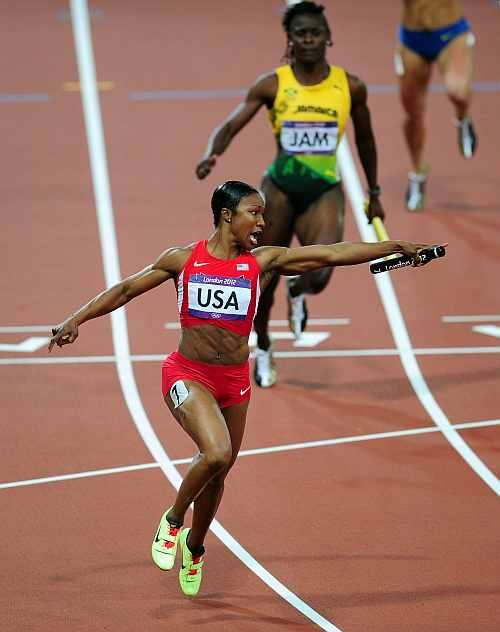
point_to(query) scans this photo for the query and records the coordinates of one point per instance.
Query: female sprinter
(309, 103)
(433, 33)
(206, 382)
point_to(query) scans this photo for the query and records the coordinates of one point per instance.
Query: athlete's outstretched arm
(307, 258)
(365, 143)
(261, 93)
(114, 297)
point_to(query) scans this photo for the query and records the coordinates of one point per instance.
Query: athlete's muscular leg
(201, 417)
(207, 502)
(414, 74)
(456, 65)
(278, 231)
(322, 223)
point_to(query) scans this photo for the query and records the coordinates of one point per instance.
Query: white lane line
(307, 339)
(456, 350)
(70, 477)
(495, 318)
(313, 322)
(318, 353)
(400, 331)
(93, 124)
(357, 438)
(284, 323)
(286, 447)
(487, 330)
(61, 360)
(23, 329)
(29, 345)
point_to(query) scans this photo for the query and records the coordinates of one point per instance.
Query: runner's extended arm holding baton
(394, 262)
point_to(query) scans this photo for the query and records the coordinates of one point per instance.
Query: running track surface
(395, 532)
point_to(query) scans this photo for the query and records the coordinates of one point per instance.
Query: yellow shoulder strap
(285, 75)
(340, 75)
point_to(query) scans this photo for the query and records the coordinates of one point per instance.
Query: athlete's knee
(413, 102)
(319, 280)
(218, 458)
(458, 89)
(414, 115)
(217, 481)
(220, 476)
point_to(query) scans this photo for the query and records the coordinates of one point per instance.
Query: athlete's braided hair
(229, 195)
(302, 8)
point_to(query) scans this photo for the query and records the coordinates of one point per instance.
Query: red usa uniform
(220, 292)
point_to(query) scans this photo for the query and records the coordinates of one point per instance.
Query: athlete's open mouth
(255, 237)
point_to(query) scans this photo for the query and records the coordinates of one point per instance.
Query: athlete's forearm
(367, 151)
(219, 141)
(309, 258)
(347, 253)
(104, 303)
(241, 116)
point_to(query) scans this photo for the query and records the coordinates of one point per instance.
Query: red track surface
(388, 534)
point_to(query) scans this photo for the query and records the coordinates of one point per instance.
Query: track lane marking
(234, 93)
(86, 474)
(399, 330)
(74, 86)
(284, 323)
(286, 447)
(317, 353)
(100, 179)
(494, 318)
(21, 329)
(487, 330)
(24, 98)
(28, 345)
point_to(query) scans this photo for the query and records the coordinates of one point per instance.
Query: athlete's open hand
(64, 334)
(374, 209)
(205, 166)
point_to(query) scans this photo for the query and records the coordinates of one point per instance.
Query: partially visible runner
(433, 31)
(205, 383)
(309, 103)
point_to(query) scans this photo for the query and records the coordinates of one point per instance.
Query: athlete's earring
(329, 43)
(228, 221)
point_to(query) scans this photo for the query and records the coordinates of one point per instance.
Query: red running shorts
(228, 383)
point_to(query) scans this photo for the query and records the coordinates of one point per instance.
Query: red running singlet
(221, 292)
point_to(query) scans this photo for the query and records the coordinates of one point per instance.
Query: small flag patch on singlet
(242, 266)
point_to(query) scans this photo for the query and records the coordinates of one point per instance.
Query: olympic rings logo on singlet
(219, 297)
(309, 138)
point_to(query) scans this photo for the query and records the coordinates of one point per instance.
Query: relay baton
(425, 255)
(394, 262)
(379, 228)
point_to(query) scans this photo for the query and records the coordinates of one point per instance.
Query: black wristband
(374, 191)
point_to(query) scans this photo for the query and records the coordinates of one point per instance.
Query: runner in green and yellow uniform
(309, 102)
(308, 122)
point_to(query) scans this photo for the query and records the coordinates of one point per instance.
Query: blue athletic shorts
(429, 44)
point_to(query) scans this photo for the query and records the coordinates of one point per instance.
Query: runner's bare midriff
(212, 344)
(419, 15)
